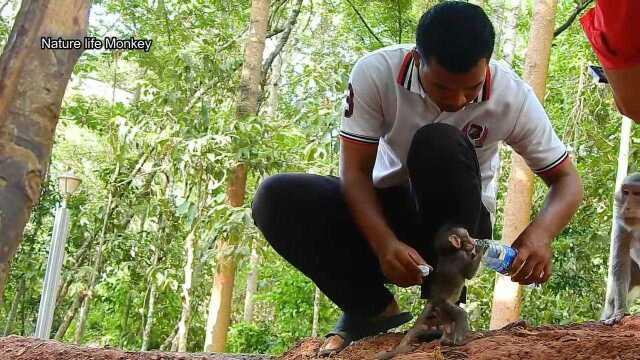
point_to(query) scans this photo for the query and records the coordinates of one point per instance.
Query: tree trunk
(70, 315)
(147, 328)
(252, 283)
(185, 316)
(220, 304)
(84, 310)
(250, 81)
(169, 340)
(510, 30)
(8, 327)
(32, 84)
(252, 280)
(316, 312)
(78, 261)
(219, 316)
(148, 324)
(124, 322)
(517, 211)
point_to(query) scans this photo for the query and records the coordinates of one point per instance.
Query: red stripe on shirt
(353, 141)
(486, 89)
(403, 69)
(555, 167)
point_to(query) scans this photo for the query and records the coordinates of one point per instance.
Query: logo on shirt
(348, 106)
(476, 134)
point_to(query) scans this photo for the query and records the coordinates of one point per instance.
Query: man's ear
(455, 241)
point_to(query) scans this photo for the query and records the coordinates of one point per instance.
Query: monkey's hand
(614, 319)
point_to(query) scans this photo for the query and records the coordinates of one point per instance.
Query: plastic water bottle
(497, 256)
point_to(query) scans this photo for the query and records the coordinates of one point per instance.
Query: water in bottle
(497, 256)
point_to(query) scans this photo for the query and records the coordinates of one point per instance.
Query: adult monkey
(612, 27)
(419, 148)
(624, 260)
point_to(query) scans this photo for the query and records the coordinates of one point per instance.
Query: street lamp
(67, 184)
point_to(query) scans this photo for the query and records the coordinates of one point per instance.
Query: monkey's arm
(619, 273)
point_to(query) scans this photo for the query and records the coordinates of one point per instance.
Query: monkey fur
(458, 260)
(624, 254)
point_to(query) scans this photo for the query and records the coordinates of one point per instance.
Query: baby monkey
(457, 260)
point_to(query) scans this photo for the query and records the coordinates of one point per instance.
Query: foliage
(162, 147)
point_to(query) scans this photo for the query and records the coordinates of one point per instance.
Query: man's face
(451, 91)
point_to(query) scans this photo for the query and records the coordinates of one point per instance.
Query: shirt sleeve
(534, 139)
(363, 119)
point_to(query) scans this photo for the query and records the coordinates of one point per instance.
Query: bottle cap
(425, 270)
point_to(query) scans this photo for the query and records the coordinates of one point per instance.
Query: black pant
(306, 219)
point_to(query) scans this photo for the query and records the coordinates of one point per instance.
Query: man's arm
(397, 260)
(624, 84)
(533, 264)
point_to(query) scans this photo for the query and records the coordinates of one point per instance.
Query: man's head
(455, 42)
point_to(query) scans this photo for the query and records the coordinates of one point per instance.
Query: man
(419, 149)
(613, 28)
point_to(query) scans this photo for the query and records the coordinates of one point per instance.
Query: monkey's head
(456, 238)
(628, 202)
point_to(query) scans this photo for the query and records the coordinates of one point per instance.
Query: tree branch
(579, 8)
(273, 13)
(365, 23)
(275, 32)
(291, 22)
(4, 5)
(206, 88)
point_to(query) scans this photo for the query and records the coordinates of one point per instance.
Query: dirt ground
(591, 340)
(515, 342)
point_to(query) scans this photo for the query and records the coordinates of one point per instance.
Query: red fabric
(403, 69)
(354, 141)
(613, 28)
(486, 88)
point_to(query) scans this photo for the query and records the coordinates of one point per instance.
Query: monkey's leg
(459, 324)
(619, 276)
(426, 325)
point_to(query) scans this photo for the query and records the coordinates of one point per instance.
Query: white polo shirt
(386, 105)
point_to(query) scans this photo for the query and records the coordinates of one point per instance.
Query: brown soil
(21, 348)
(591, 340)
(517, 341)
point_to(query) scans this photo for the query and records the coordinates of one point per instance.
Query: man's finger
(407, 271)
(537, 274)
(523, 272)
(417, 259)
(517, 264)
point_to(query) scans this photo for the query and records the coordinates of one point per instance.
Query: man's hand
(533, 263)
(399, 263)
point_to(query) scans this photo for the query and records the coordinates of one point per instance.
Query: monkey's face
(628, 201)
(460, 239)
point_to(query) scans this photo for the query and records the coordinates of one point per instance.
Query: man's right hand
(399, 263)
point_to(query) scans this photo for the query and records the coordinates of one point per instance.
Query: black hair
(457, 34)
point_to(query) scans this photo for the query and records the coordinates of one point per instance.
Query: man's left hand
(533, 263)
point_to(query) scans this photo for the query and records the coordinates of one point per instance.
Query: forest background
(154, 138)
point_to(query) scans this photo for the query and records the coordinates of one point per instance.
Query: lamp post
(67, 185)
